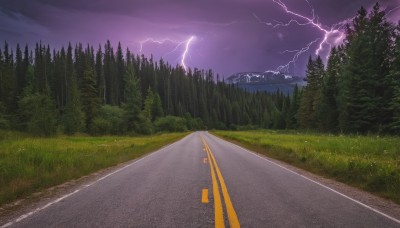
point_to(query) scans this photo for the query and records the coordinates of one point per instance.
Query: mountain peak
(268, 81)
(271, 77)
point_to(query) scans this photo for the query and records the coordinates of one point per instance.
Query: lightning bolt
(177, 45)
(313, 22)
(302, 20)
(188, 42)
(392, 10)
(295, 57)
(159, 42)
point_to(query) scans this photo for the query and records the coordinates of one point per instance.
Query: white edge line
(24, 216)
(315, 182)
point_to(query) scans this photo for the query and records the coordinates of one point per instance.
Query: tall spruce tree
(327, 108)
(156, 108)
(120, 72)
(148, 104)
(307, 116)
(291, 121)
(133, 100)
(395, 84)
(74, 118)
(20, 71)
(365, 92)
(89, 96)
(100, 83)
(7, 79)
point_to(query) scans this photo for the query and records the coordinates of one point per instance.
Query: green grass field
(29, 164)
(370, 163)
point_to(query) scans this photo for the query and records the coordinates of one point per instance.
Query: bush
(110, 120)
(4, 124)
(101, 126)
(145, 126)
(171, 124)
(193, 123)
(38, 113)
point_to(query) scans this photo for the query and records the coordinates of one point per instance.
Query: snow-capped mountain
(261, 77)
(268, 81)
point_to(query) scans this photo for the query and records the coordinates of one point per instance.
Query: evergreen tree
(89, 96)
(307, 116)
(148, 105)
(291, 121)
(100, 75)
(365, 92)
(7, 80)
(395, 84)
(108, 70)
(120, 71)
(157, 109)
(133, 97)
(20, 70)
(74, 118)
(327, 110)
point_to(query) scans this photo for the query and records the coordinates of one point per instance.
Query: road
(203, 181)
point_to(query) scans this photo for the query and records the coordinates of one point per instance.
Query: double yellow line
(219, 214)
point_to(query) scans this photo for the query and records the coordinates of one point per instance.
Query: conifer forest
(99, 90)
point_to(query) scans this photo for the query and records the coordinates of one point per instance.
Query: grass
(371, 163)
(29, 164)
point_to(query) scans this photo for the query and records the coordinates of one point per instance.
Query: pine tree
(381, 36)
(89, 96)
(108, 70)
(157, 109)
(365, 92)
(395, 84)
(327, 108)
(148, 104)
(20, 70)
(291, 121)
(133, 97)
(100, 75)
(74, 118)
(307, 115)
(120, 71)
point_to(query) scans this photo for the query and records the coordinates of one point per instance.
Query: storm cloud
(229, 38)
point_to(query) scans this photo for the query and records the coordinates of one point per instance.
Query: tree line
(47, 91)
(359, 90)
(77, 89)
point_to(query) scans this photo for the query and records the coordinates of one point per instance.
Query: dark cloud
(228, 36)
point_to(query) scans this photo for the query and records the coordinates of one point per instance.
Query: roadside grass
(371, 163)
(29, 164)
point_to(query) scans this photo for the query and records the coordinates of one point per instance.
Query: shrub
(171, 124)
(3, 120)
(110, 120)
(38, 113)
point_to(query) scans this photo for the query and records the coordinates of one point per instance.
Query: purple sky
(229, 37)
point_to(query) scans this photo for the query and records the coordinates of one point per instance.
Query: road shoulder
(383, 205)
(14, 210)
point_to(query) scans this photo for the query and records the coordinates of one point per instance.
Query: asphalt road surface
(203, 181)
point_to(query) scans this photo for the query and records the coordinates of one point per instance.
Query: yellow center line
(204, 196)
(219, 214)
(232, 216)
